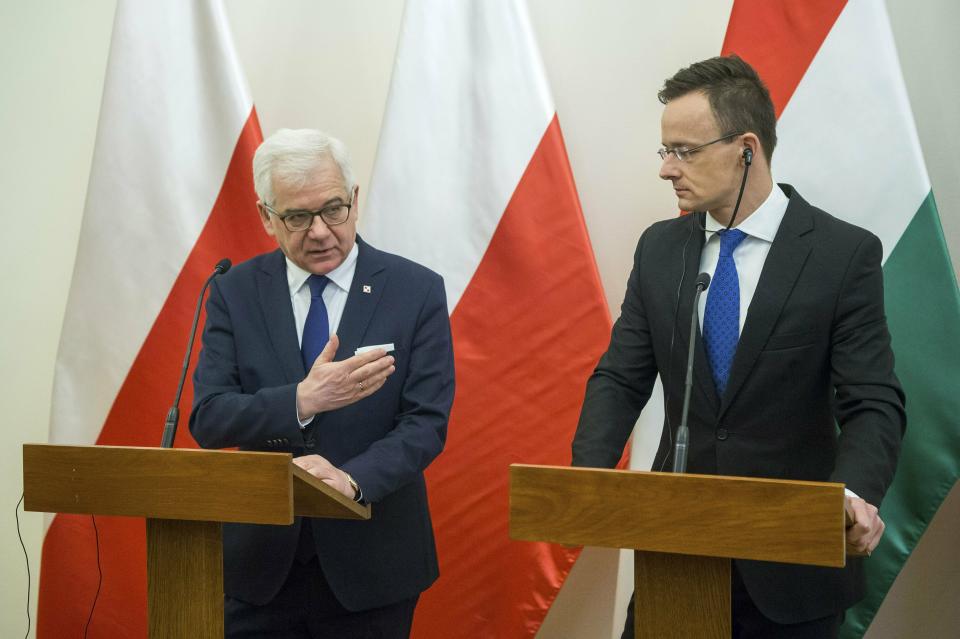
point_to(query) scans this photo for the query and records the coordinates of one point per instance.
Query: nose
(318, 228)
(669, 168)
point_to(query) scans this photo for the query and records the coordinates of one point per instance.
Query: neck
(756, 192)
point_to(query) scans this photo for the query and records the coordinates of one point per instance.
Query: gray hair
(290, 155)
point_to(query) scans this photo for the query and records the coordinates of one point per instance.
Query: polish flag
(170, 193)
(848, 142)
(472, 180)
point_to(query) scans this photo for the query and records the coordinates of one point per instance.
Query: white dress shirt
(760, 227)
(334, 297)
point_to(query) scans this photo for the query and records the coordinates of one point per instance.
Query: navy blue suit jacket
(245, 396)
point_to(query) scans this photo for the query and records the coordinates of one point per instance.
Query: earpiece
(747, 156)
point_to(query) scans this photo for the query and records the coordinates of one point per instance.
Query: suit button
(309, 442)
(721, 434)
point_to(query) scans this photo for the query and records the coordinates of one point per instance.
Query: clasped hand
(864, 526)
(330, 385)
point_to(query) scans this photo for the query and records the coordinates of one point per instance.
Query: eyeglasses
(683, 154)
(298, 220)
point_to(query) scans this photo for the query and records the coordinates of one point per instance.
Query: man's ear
(265, 219)
(751, 148)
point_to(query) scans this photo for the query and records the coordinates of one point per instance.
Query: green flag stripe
(923, 310)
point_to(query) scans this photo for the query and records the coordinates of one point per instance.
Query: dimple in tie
(721, 318)
(316, 329)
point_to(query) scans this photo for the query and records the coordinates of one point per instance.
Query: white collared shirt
(334, 295)
(761, 227)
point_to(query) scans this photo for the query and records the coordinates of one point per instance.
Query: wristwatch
(357, 493)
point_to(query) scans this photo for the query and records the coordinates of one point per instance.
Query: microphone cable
(26, 557)
(694, 225)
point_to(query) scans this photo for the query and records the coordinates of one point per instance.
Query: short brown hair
(738, 97)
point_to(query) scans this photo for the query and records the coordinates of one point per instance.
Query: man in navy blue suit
(342, 355)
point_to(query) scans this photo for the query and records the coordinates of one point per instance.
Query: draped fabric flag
(472, 180)
(170, 193)
(849, 144)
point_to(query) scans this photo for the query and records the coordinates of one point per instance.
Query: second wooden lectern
(685, 529)
(185, 495)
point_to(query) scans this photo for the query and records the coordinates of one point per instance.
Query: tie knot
(730, 240)
(317, 284)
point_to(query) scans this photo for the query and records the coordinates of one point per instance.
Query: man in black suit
(273, 375)
(793, 341)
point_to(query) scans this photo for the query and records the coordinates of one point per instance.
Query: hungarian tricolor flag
(472, 180)
(170, 193)
(847, 141)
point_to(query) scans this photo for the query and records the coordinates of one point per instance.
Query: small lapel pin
(367, 288)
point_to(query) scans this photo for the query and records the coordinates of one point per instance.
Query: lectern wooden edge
(684, 528)
(185, 495)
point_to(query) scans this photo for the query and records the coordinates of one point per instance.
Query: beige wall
(327, 64)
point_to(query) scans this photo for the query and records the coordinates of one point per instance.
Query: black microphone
(173, 415)
(683, 432)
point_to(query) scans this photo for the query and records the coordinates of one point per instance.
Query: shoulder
(244, 275)
(397, 265)
(830, 229)
(666, 237)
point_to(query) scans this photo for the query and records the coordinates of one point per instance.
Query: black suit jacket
(245, 395)
(814, 353)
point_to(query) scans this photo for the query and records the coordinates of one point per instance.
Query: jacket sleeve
(869, 401)
(223, 414)
(621, 384)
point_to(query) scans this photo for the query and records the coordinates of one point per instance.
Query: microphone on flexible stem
(683, 432)
(173, 415)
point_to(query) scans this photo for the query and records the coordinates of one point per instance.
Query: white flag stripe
(173, 107)
(879, 181)
(477, 152)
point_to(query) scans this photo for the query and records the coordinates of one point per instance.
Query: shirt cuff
(303, 422)
(850, 493)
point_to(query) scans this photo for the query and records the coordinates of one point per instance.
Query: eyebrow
(329, 202)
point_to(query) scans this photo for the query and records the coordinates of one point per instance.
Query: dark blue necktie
(721, 318)
(316, 330)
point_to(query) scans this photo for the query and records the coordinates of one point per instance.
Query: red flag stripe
(780, 39)
(527, 332)
(68, 573)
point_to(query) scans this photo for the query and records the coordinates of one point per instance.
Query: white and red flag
(170, 193)
(472, 180)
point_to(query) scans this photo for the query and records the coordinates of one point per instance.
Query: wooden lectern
(684, 528)
(184, 494)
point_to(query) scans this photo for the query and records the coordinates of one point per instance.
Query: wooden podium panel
(708, 515)
(186, 484)
(685, 530)
(184, 494)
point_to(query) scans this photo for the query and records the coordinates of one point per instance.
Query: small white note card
(364, 349)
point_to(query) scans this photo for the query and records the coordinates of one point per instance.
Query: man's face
(320, 248)
(709, 179)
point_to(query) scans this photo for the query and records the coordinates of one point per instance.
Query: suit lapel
(687, 291)
(366, 290)
(786, 258)
(277, 310)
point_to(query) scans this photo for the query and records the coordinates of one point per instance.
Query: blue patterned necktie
(316, 329)
(721, 318)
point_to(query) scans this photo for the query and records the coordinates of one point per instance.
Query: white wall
(327, 64)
